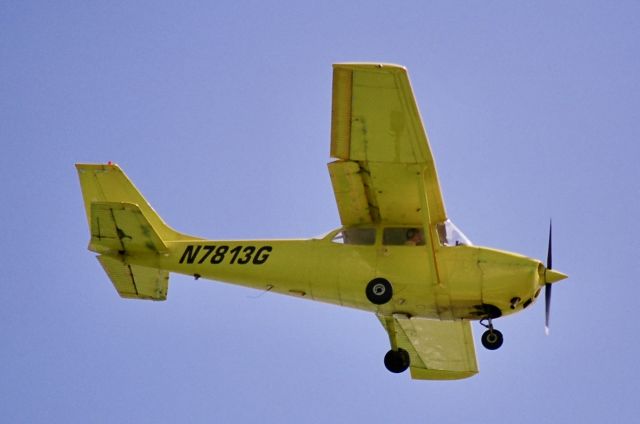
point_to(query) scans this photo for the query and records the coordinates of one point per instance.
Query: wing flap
(136, 282)
(439, 350)
(350, 193)
(398, 192)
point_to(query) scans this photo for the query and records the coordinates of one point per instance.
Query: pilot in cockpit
(414, 237)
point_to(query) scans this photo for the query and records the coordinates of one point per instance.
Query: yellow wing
(385, 168)
(439, 350)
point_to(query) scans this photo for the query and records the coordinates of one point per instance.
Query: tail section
(136, 282)
(107, 183)
(123, 227)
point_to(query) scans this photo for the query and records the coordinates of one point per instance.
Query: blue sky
(220, 113)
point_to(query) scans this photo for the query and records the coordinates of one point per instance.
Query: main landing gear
(491, 339)
(379, 291)
(397, 361)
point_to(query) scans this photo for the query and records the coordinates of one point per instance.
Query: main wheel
(379, 291)
(492, 339)
(397, 361)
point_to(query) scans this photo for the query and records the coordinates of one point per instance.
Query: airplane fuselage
(455, 282)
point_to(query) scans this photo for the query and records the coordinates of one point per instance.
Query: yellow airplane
(397, 253)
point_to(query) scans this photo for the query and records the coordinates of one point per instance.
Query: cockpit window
(403, 236)
(450, 235)
(362, 236)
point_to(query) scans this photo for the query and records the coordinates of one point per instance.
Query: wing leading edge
(385, 166)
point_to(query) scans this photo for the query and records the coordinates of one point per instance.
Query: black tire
(379, 291)
(492, 339)
(397, 361)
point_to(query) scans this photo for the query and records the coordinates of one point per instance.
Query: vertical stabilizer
(107, 183)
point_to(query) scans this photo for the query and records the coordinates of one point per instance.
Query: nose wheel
(491, 339)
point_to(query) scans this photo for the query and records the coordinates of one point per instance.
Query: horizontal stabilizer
(122, 227)
(136, 282)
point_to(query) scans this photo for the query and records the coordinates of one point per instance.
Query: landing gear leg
(491, 339)
(397, 359)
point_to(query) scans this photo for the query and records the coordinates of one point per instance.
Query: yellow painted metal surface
(107, 183)
(376, 124)
(385, 183)
(349, 190)
(122, 227)
(439, 350)
(135, 281)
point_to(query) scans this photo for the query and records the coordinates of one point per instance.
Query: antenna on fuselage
(267, 290)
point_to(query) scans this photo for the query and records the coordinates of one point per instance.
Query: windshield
(450, 235)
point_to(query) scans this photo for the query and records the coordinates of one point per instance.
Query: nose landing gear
(491, 339)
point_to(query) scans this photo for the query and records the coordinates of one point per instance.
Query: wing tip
(434, 374)
(369, 66)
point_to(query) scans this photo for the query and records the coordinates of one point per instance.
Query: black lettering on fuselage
(219, 254)
(190, 253)
(261, 257)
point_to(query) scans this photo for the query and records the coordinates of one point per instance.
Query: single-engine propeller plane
(397, 254)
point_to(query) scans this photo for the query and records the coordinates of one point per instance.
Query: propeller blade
(547, 286)
(547, 304)
(549, 248)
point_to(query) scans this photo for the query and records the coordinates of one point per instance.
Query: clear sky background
(220, 113)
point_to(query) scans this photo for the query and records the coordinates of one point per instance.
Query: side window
(362, 236)
(403, 236)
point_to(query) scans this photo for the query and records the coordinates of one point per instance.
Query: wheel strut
(487, 323)
(491, 339)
